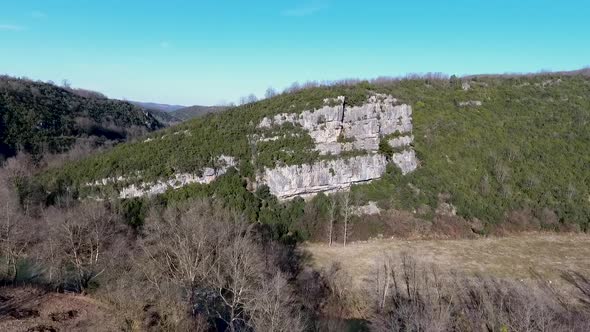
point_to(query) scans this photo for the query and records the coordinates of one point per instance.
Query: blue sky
(209, 52)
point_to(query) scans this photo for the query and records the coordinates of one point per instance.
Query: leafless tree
(65, 83)
(270, 92)
(345, 205)
(408, 296)
(209, 255)
(294, 87)
(251, 98)
(15, 236)
(331, 217)
(272, 307)
(81, 237)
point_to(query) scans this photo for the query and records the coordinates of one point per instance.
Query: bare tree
(15, 237)
(81, 236)
(270, 92)
(408, 296)
(209, 255)
(251, 98)
(332, 217)
(272, 309)
(345, 207)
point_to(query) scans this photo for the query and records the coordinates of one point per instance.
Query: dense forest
(40, 118)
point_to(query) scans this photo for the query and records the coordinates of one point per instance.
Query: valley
(442, 203)
(295, 166)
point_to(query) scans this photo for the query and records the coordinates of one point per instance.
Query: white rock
(177, 181)
(406, 161)
(322, 176)
(336, 129)
(370, 209)
(360, 126)
(472, 103)
(401, 141)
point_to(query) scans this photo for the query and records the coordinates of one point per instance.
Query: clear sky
(208, 52)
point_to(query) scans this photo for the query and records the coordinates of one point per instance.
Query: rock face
(337, 129)
(323, 176)
(405, 160)
(207, 175)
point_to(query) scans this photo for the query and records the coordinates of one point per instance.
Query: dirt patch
(42, 328)
(17, 313)
(34, 309)
(63, 316)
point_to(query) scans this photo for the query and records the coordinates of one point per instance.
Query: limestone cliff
(337, 129)
(323, 176)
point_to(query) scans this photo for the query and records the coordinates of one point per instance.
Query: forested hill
(196, 111)
(38, 118)
(487, 147)
(157, 106)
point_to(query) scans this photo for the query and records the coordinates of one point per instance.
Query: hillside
(488, 149)
(166, 118)
(38, 117)
(196, 111)
(157, 106)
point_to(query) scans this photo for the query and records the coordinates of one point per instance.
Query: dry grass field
(513, 257)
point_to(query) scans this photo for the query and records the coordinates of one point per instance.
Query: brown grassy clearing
(511, 257)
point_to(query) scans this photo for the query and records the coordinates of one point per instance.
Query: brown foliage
(80, 244)
(208, 256)
(411, 297)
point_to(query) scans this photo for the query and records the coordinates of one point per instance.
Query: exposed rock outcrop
(322, 176)
(369, 209)
(340, 128)
(470, 103)
(205, 176)
(208, 175)
(402, 141)
(405, 160)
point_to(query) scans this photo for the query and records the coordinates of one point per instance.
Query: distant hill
(157, 106)
(196, 111)
(173, 114)
(39, 118)
(166, 118)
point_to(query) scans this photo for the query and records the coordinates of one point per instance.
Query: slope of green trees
(525, 147)
(196, 111)
(37, 117)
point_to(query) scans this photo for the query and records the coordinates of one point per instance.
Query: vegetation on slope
(196, 111)
(525, 147)
(163, 117)
(38, 117)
